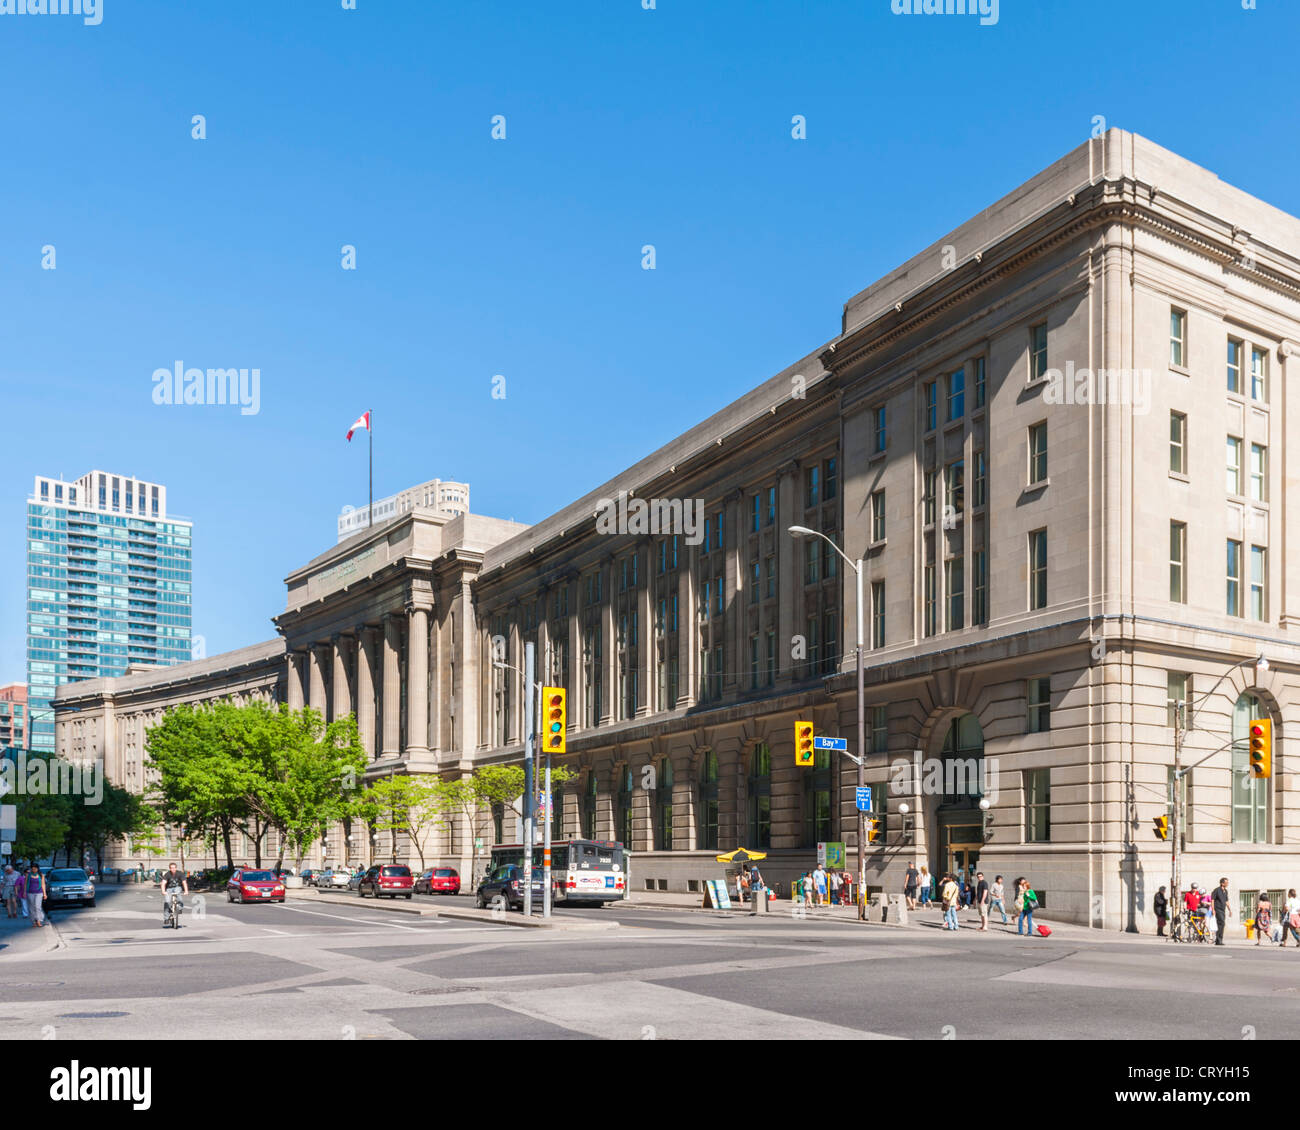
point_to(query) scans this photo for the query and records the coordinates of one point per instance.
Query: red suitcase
(1044, 931)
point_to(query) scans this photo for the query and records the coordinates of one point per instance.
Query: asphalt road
(329, 971)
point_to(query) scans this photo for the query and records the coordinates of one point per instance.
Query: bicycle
(172, 907)
(1189, 928)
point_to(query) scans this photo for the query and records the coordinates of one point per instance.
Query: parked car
(309, 877)
(247, 885)
(438, 881)
(391, 879)
(67, 885)
(332, 879)
(506, 882)
(354, 880)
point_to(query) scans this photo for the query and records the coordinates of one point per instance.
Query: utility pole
(862, 759)
(547, 817)
(529, 728)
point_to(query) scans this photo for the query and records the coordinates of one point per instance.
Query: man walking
(819, 884)
(998, 898)
(910, 879)
(1222, 908)
(982, 899)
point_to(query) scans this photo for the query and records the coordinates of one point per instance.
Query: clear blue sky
(477, 257)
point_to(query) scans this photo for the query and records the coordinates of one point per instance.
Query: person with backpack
(1026, 903)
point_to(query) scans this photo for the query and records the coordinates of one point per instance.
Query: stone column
(366, 690)
(688, 629)
(316, 686)
(646, 647)
(417, 681)
(342, 692)
(295, 680)
(390, 738)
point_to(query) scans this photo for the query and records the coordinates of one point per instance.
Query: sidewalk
(19, 938)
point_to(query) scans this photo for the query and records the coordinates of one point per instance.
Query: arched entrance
(954, 784)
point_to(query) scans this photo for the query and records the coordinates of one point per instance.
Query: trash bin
(759, 898)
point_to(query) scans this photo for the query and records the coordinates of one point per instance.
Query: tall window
(1177, 562)
(757, 524)
(1258, 574)
(979, 481)
(956, 395)
(1040, 705)
(830, 642)
(1250, 795)
(753, 663)
(1177, 694)
(1038, 452)
(1233, 571)
(930, 609)
(1038, 569)
(954, 489)
(771, 657)
(931, 405)
(979, 383)
(878, 515)
(928, 491)
(623, 810)
(812, 486)
(1178, 338)
(1235, 349)
(979, 560)
(1258, 472)
(879, 729)
(877, 613)
(812, 556)
(1258, 374)
(882, 438)
(1178, 442)
(589, 808)
(1233, 480)
(771, 506)
(707, 834)
(963, 757)
(759, 793)
(955, 586)
(817, 800)
(663, 801)
(1038, 352)
(831, 479)
(1038, 805)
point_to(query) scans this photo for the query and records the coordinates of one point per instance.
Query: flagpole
(370, 433)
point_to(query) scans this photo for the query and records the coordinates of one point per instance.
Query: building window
(1038, 352)
(830, 642)
(1038, 569)
(1177, 695)
(1038, 452)
(954, 491)
(979, 483)
(759, 793)
(718, 530)
(1258, 375)
(882, 436)
(930, 609)
(1250, 794)
(956, 395)
(771, 577)
(771, 658)
(810, 644)
(589, 808)
(1178, 562)
(927, 497)
(663, 802)
(817, 800)
(758, 512)
(1178, 338)
(812, 556)
(879, 729)
(955, 585)
(831, 479)
(980, 587)
(1233, 481)
(878, 516)
(1258, 573)
(755, 582)
(1178, 442)
(1258, 472)
(979, 383)
(1038, 805)
(877, 613)
(1040, 705)
(707, 835)
(812, 486)
(771, 506)
(931, 405)
(623, 810)
(1235, 349)
(753, 663)
(1233, 571)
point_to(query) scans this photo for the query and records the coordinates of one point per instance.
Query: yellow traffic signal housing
(1261, 747)
(873, 829)
(803, 743)
(555, 719)
(1162, 827)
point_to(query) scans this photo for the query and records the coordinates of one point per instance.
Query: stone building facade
(1020, 434)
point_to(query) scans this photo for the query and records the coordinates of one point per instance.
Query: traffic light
(555, 721)
(1261, 747)
(803, 743)
(873, 829)
(1162, 827)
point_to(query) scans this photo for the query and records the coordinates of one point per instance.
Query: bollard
(876, 909)
(897, 910)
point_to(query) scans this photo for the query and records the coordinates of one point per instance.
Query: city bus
(583, 872)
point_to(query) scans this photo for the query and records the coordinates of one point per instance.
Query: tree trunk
(225, 836)
(258, 832)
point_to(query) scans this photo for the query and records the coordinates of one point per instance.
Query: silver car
(332, 879)
(65, 885)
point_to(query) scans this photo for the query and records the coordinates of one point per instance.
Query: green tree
(414, 804)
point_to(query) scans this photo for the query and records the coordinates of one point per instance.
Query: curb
(331, 899)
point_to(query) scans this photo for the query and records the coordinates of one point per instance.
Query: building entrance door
(962, 858)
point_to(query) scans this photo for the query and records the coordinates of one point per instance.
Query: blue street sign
(841, 744)
(864, 798)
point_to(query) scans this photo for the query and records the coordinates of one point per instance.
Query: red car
(438, 881)
(391, 879)
(254, 886)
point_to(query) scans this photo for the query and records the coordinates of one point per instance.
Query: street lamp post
(804, 531)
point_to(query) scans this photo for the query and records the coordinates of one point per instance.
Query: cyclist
(173, 885)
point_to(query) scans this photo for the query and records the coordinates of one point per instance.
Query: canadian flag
(362, 421)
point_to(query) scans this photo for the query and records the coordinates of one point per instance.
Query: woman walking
(923, 885)
(1026, 903)
(34, 892)
(1263, 917)
(9, 891)
(1291, 917)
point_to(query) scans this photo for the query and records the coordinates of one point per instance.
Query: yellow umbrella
(741, 855)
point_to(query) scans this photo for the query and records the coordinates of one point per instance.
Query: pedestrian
(982, 899)
(1291, 917)
(846, 892)
(756, 884)
(819, 884)
(968, 888)
(807, 888)
(34, 893)
(923, 883)
(1263, 917)
(949, 893)
(836, 881)
(742, 885)
(1026, 903)
(911, 877)
(1222, 909)
(1160, 905)
(998, 898)
(9, 891)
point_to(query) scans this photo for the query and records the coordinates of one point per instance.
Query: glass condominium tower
(108, 586)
